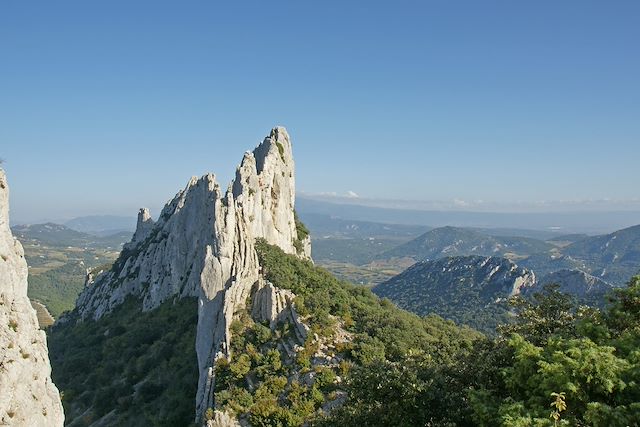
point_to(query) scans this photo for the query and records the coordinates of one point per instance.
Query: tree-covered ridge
(376, 323)
(452, 241)
(268, 383)
(129, 368)
(470, 290)
(556, 365)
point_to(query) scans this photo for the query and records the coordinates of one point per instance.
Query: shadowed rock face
(27, 395)
(203, 245)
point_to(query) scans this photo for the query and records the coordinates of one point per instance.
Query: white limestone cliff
(28, 397)
(143, 228)
(203, 245)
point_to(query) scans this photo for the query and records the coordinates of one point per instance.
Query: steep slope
(585, 288)
(203, 246)
(277, 377)
(612, 257)
(276, 336)
(27, 395)
(453, 241)
(129, 368)
(470, 290)
(546, 263)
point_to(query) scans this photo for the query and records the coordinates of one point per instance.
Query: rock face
(203, 245)
(222, 419)
(275, 305)
(143, 228)
(27, 395)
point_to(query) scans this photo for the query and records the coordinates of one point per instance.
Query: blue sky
(108, 106)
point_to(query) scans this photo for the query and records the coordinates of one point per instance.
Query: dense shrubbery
(256, 383)
(142, 365)
(381, 329)
(555, 365)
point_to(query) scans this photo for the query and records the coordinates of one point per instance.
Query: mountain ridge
(470, 290)
(451, 241)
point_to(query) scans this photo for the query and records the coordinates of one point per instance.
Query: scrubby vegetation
(470, 290)
(380, 327)
(255, 383)
(264, 385)
(132, 368)
(281, 151)
(556, 365)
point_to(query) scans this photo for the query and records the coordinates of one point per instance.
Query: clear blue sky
(107, 106)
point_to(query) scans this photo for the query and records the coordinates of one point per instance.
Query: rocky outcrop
(143, 228)
(222, 419)
(203, 245)
(28, 397)
(275, 305)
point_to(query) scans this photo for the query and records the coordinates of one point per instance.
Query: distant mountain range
(614, 257)
(103, 225)
(322, 226)
(454, 278)
(593, 222)
(473, 290)
(58, 235)
(452, 241)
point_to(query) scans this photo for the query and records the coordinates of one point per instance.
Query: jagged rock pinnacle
(203, 245)
(27, 395)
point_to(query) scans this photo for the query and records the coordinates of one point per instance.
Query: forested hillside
(556, 365)
(129, 368)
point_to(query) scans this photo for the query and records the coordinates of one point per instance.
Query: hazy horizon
(492, 107)
(590, 220)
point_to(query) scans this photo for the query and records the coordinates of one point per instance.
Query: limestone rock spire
(143, 228)
(203, 245)
(28, 397)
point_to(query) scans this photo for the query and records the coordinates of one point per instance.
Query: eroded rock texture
(203, 245)
(28, 397)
